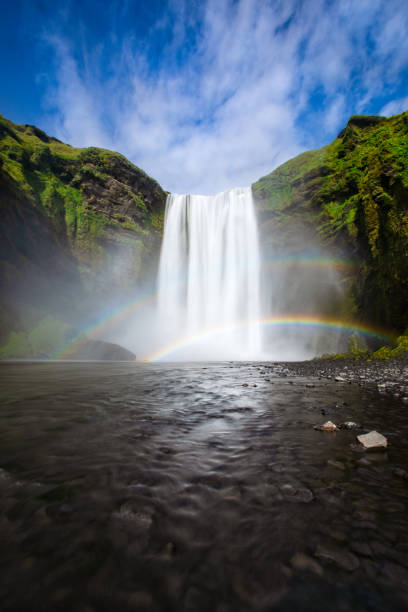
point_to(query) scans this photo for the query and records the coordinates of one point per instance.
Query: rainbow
(108, 319)
(103, 323)
(288, 320)
(311, 261)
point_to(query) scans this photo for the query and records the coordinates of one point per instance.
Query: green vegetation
(44, 339)
(82, 191)
(69, 216)
(353, 194)
(355, 352)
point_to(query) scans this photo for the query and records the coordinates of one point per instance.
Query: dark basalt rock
(97, 350)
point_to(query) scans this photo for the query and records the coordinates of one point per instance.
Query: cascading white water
(209, 276)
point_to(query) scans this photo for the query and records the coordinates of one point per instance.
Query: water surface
(173, 487)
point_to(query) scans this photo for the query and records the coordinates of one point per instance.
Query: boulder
(373, 441)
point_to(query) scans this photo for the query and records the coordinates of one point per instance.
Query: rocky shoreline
(389, 376)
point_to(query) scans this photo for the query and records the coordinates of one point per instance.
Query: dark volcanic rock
(97, 350)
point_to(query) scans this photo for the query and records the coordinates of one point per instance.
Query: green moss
(157, 222)
(49, 335)
(17, 346)
(383, 353)
(46, 337)
(401, 350)
(354, 192)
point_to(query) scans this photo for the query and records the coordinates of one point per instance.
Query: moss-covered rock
(77, 227)
(349, 198)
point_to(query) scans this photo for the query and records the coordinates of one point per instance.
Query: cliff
(77, 227)
(350, 198)
(80, 227)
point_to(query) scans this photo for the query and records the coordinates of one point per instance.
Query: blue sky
(203, 95)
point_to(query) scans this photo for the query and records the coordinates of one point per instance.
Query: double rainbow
(147, 300)
(288, 320)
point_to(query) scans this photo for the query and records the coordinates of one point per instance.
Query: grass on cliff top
(342, 164)
(31, 139)
(37, 163)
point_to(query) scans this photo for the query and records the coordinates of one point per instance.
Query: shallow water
(173, 487)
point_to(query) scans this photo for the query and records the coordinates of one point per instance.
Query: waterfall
(208, 287)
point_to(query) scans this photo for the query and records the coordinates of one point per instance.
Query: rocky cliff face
(348, 200)
(77, 225)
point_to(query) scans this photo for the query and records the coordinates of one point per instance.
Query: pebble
(350, 425)
(390, 378)
(400, 473)
(328, 426)
(336, 464)
(395, 573)
(300, 561)
(292, 494)
(342, 558)
(362, 548)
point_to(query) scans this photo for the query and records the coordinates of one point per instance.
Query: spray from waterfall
(209, 274)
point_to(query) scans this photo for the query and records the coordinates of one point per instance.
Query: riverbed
(174, 487)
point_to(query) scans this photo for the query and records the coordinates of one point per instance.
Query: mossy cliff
(351, 199)
(77, 226)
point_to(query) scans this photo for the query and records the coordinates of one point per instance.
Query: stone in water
(349, 425)
(373, 441)
(328, 426)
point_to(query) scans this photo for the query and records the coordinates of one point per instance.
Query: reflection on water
(173, 487)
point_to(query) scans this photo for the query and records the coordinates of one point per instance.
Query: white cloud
(395, 107)
(260, 82)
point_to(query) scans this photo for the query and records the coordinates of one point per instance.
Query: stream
(173, 487)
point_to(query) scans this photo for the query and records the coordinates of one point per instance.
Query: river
(173, 487)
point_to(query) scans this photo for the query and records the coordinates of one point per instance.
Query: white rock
(340, 379)
(373, 440)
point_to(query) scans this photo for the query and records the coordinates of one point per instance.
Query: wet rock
(169, 550)
(362, 548)
(400, 473)
(245, 384)
(395, 573)
(328, 426)
(140, 600)
(394, 506)
(336, 464)
(303, 562)
(342, 558)
(350, 425)
(292, 494)
(373, 441)
(363, 461)
(309, 386)
(357, 448)
(128, 514)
